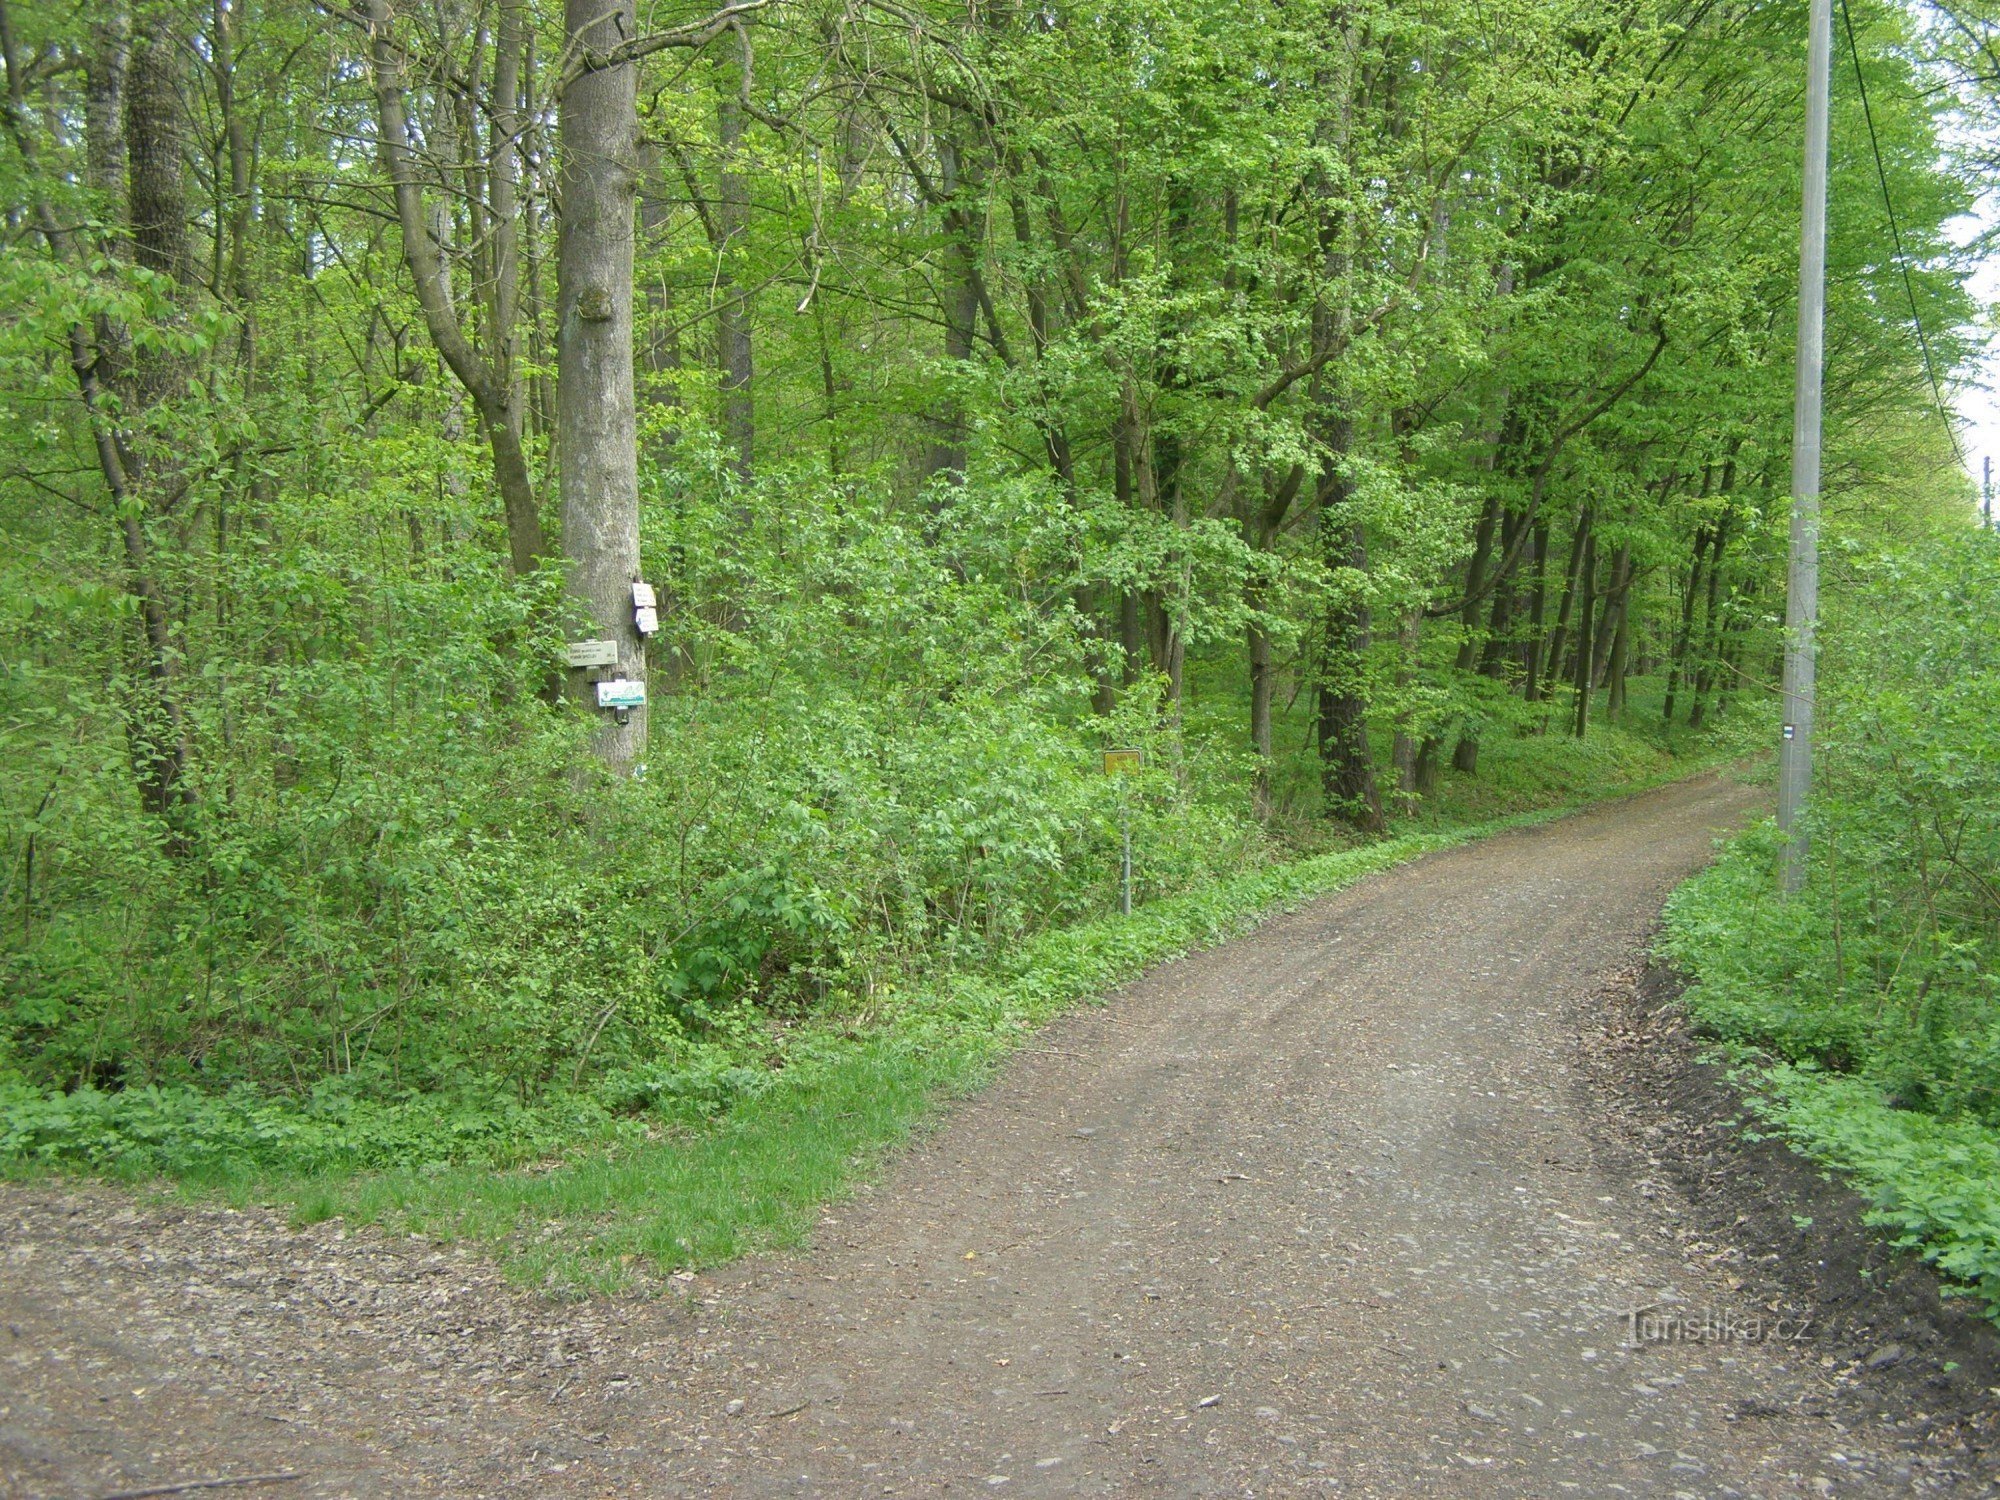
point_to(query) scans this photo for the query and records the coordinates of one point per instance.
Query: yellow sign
(1123, 762)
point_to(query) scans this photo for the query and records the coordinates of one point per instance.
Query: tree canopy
(1315, 398)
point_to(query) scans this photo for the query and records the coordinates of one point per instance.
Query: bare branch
(585, 60)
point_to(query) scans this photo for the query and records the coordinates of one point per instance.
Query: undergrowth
(728, 1146)
(1865, 1012)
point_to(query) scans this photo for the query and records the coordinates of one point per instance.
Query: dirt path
(1329, 1210)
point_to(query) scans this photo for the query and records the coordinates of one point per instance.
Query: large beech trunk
(158, 215)
(1347, 764)
(596, 421)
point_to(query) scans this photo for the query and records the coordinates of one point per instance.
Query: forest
(566, 565)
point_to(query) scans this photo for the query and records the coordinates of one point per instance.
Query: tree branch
(582, 61)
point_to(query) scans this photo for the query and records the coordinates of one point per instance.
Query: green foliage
(398, 876)
(200, 1136)
(724, 1146)
(1930, 1181)
(730, 1159)
(1876, 990)
(1006, 389)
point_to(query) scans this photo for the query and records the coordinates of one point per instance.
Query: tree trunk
(1260, 719)
(1578, 547)
(133, 110)
(1587, 580)
(1608, 617)
(1614, 671)
(1711, 628)
(1166, 645)
(502, 226)
(1538, 609)
(1162, 467)
(104, 107)
(1732, 656)
(1465, 756)
(958, 303)
(1131, 636)
(1500, 621)
(157, 197)
(1678, 663)
(1347, 765)
(1428, 768)
(159, 209)
(489, 392)
(1403, 752)
(735, 353)
(596, 420)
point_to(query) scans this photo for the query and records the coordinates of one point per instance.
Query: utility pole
(1802, 571)
(1986, 492)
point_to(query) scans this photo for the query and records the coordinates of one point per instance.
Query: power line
(1896, 235)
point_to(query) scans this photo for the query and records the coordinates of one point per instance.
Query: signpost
(621, 695)
(1124, 763)
(645, 610)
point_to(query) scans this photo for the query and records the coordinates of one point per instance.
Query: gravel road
(1330, 1210)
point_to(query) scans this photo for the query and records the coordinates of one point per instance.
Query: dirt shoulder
(1909, 1353)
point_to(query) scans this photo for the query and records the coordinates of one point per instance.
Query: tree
(595, 413)
(490, 375)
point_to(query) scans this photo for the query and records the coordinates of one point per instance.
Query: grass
(699, 1196)
(1829, 1069)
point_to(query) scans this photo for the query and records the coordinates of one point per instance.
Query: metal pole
(1802, 572)
(1125, 868)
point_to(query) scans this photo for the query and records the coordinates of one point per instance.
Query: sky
(1978, 400)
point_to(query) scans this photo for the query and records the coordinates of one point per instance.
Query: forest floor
(1361, 1204)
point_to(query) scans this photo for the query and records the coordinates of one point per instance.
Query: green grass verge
(1818, 1068)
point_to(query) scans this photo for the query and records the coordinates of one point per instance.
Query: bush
(1875, 991)
(394, 903)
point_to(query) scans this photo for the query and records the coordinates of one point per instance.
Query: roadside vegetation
(724, 1132)
(1866, 1012)
(1384, 436)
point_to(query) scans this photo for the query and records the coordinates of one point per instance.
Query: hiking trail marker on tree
(591, 653)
